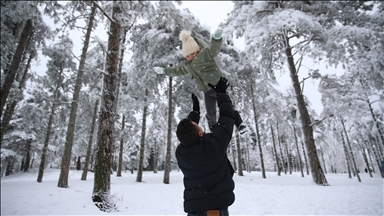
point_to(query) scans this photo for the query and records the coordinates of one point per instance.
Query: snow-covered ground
(288, 194)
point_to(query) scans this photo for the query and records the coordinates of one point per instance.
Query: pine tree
(63, 179)
(105, 139)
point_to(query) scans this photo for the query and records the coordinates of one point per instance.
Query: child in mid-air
(200, 63)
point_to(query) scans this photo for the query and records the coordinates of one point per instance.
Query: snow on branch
(105, 14)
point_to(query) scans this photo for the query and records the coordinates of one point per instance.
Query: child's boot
(239, 123)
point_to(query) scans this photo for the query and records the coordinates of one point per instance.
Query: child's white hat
(189, 44)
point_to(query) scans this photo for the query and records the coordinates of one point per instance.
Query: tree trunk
(322, 157)
(234, 157)
(346, 155)
(350, 149)
(281, 151)
(65, 162)
(376, 157)
(247, 157)
(298, 151)
(120, 165)
(305, 157)
(365, 158)
(105, 135)
(90, 142)
(49, 126)
(142, 142)
(257, 132)
(288, 156)
(46, 140)
(156, 159)
(317, 172)
(275, 152)
(376, 123)
(10, 164)
(28, 155)
(240, 168)
(167, 169)
(21, 46)
(369, 155)
(11, 107)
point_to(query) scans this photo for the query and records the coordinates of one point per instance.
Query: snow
(287, 194)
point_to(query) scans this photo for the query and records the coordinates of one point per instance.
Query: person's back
(208, 183)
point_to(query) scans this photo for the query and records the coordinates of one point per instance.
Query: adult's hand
(221, 86)
(196, 105)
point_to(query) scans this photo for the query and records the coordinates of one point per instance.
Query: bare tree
(169, 135)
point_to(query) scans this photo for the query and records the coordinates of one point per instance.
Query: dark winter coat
(203, 67)
(208, 182)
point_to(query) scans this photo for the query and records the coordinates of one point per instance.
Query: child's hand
(217, 34)
(159, 70)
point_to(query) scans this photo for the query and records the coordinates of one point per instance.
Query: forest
(106, 111)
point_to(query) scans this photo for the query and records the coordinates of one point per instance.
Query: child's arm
(176, 71)
(216, 43)
(171, 71)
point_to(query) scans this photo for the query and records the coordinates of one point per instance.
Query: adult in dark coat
(208, 183)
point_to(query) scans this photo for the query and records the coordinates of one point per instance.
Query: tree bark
(105, 136)
(376, 157)
(298, 151)
(317, 172)
(11, 107)
(365, 158)
(10, 164)
(28, 155)
(90, 142)
(258, 133)
(351, 152)
(49, 126)
(240, 168)
(167, 169)
(120, 165)
(156, 159)
(346, 155)
(234, 156)
(376, 123)
(21, 46)
(46, 143)
(142, 142)
(305, 157)
(247, 157)
(275, 151)
(322, 157)
(281, 151)
(65, 162)
(288, 156)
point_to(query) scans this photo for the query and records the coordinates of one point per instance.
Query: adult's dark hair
(186, 132)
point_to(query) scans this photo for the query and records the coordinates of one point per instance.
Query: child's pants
(210, 106)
